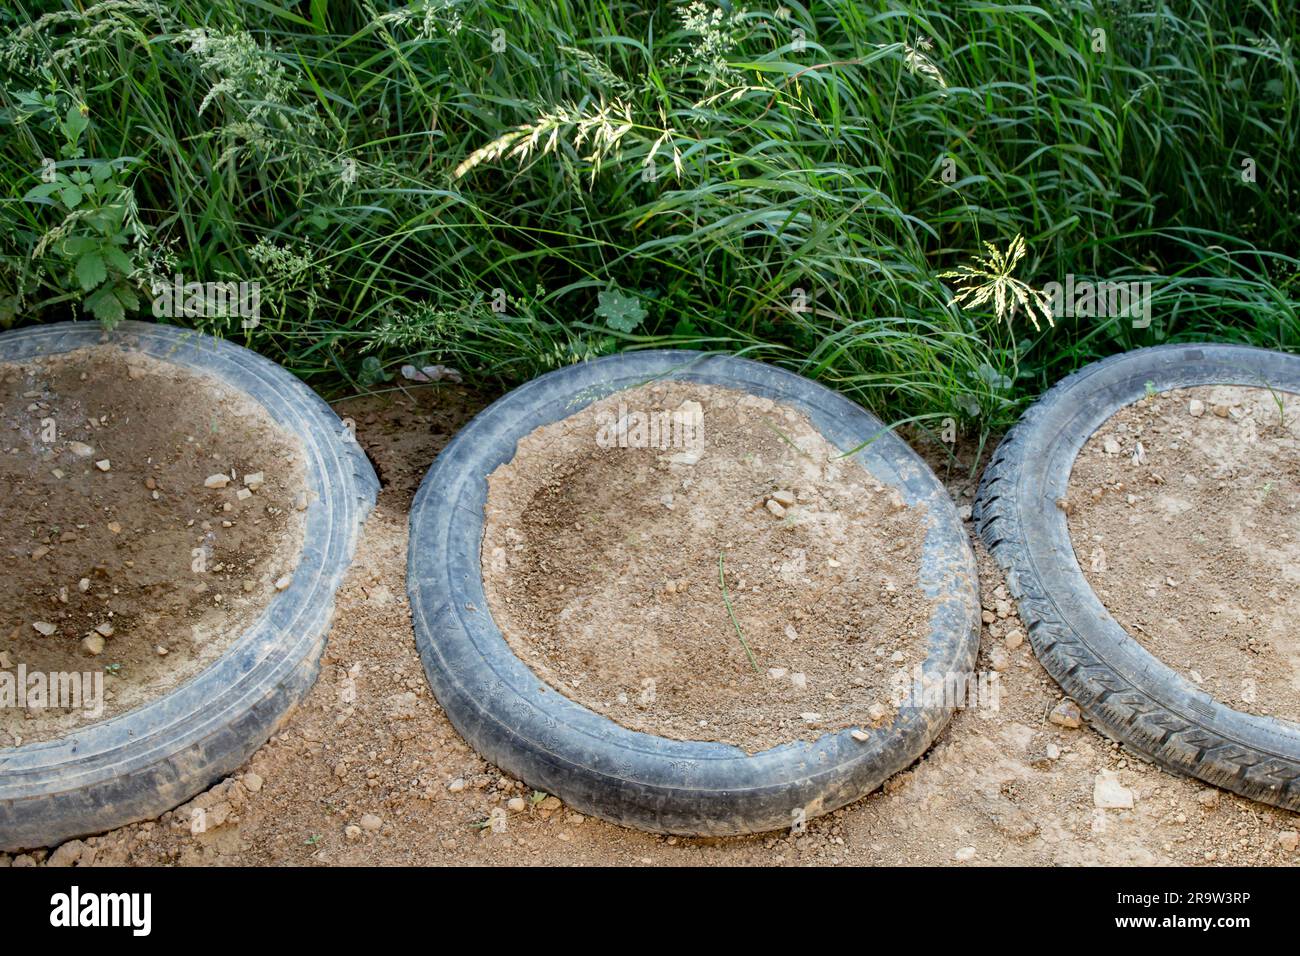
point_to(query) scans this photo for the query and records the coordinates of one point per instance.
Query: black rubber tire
(148, 760)
(1123, 689)
(516, 721)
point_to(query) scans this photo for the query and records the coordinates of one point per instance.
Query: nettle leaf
(126, 295)
(118, 259)
(105, 306)
(43, 191)
(79, 245)
(622, 313)
(75, 123)
(91, 270)
(30, 99)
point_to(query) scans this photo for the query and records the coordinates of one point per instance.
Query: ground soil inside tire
(624, 565)
(1184, 511)
(122, 557)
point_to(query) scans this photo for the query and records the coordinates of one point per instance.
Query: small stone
(517, 804)
(150, 483)
(67, 854)
(965, 854)
(877, 713)
(352, 833)
(457, 785)
(1208, 798)
(243, 494)
(1289, 840)
(39, 552)
(93, 645)
(216, 481)
(799, 680)
(1066, 714)
(80, 449)
(776, 673)
(253, 782)
(861, 736)
(44, 628)
(791, 633)
(999, 659)
(371, 822)
(784, 498)
(105, 629)
(1052, 752)
(775, 508)
(1109, 794)
(83, 585)
(161, 651)
(114, 527)
(1015, 637)
(1111, 446)
(254, 481)
(810, 717)
(103, 464)
(1221, 410)
(301, 501)
(283, 582)
(551, 804)
(1196, 408)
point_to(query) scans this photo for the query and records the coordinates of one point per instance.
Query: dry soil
(147, 514)
(1184, 510)
(735, 580)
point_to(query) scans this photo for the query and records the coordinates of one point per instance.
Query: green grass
(812, 176)
(726, 600)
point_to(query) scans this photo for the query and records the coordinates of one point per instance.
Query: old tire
(148, 760)
(1123, 689)
(597, 766)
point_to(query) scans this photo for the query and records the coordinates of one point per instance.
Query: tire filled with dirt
(690, 593)
(177, 514)
(1147, 511)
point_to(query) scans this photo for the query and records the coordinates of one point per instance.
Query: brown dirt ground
(103, 459)
(392, 754)
(590, 546)
(1188, 528)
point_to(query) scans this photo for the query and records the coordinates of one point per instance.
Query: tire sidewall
(141, 763)
(1129, 692)
(689, 787)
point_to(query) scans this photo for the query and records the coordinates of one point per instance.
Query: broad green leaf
(91, 270)
(43, 191)
(104, 305)
(126, 295)
(622, 313)
(118, 259)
